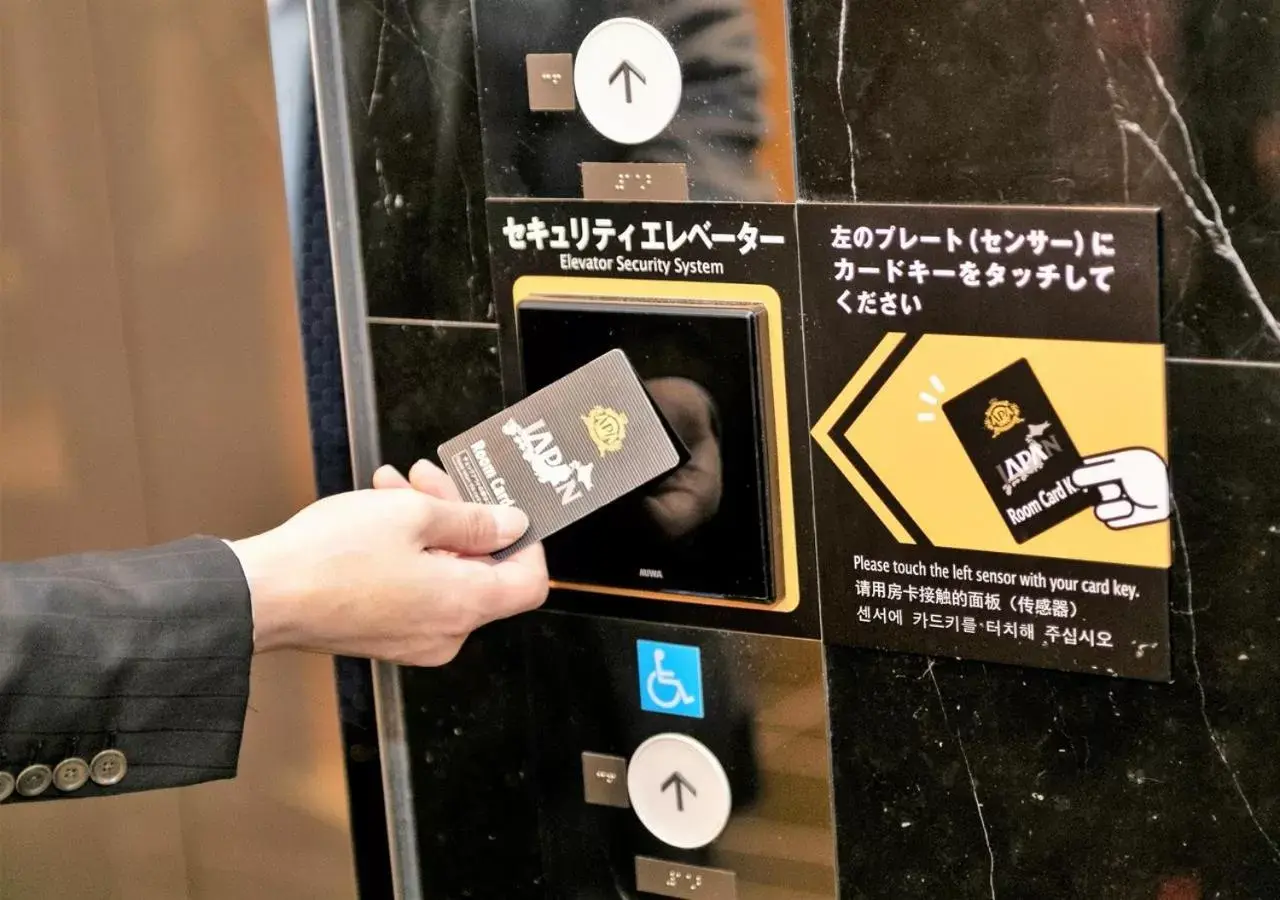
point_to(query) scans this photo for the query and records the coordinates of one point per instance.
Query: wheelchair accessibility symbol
(670, 679)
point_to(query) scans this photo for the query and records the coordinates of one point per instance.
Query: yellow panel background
(1109, 396)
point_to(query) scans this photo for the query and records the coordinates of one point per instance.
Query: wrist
(270, 598)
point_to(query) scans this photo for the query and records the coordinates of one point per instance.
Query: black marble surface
(952, 779)
(1168, 103)
(432, 382)
(474, 797)
(414, 118)
(995, 781)
(987, 780)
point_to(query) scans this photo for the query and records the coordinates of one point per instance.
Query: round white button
(628, 80)
(679, 791)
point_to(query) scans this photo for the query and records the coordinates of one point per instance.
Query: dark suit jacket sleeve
(143, 652)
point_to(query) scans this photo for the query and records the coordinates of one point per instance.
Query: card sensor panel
(707, 528)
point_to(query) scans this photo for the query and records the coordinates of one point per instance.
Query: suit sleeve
(123, 671)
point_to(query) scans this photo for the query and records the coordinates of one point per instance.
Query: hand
(397, 573)
(1133, 485)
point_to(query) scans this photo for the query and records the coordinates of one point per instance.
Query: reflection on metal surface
(652, 182)
(709, 89)
(151, 385)
(348, 271)
(34, 455)
(668, 879)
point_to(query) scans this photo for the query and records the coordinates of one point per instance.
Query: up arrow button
(627, 71)
(627, 80)
(681, 785)
(679, 791)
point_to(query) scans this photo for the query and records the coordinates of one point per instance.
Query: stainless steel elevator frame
(337, 166)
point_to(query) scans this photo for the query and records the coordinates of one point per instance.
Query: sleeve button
(7, 785)
(34, 780)
(71, 774)
(108, 768)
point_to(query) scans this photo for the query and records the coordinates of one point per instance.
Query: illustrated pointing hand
(1133, 485)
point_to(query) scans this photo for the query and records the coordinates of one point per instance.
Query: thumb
(473, 529)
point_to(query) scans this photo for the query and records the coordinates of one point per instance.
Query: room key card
(565, 450)
(1021, 450)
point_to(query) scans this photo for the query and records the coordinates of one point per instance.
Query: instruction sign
(987, 388)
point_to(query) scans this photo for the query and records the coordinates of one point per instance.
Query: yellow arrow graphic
(1108, 395)
(822, 434)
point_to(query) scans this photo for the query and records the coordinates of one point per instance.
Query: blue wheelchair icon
(670, 679)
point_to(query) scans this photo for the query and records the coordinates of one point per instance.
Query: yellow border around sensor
(638, 291)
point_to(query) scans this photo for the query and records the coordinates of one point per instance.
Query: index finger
(431, 479)
(424, 477)
(504, 588)
(387, 477)
(1098, 470)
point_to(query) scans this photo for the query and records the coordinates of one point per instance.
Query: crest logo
(1001, 415)
(607, 428)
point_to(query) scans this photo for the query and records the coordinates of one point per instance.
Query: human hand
(1133, 486)
(398, 573)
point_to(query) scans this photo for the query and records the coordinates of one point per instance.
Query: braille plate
(604, 780)
(668, 879)
(651, 182)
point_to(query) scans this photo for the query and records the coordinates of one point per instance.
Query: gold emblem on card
(607, 428)
(1001, 415)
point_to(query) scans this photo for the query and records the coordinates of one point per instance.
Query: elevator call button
(679, 791)
(627, 78)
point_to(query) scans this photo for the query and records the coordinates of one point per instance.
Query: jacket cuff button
(34, 780)
(71, 774)
(108, 768)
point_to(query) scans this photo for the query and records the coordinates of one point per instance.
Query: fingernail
(511, 522)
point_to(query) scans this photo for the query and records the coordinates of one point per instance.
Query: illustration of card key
(1020, 449)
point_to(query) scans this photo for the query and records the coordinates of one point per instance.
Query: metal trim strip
(337, 166)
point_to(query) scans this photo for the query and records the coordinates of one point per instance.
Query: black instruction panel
(979, 390)
(987, 389)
